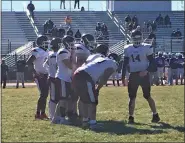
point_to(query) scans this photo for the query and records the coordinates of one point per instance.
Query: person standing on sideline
(31, 8)
(62, 1)
(4, 73)
(77, 1)
(20, 72)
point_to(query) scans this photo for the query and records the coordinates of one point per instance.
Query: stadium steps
(177, 19)
(26, 26)
(11, 30)
(85, 21)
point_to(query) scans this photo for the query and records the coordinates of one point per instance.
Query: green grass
(18, 124)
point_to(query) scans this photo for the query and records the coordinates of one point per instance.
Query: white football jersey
(93, 57)
(51, 64)
(138, 56)
(63, 72)
(97, 67)
(40, 56)
(80, 52)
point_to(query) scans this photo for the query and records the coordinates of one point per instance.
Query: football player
(174, 69)
(51, 65)
(89, 42)
(181, 67)
(87, 82)
(37, 58)
(63, 80)
(139, 57)
(80, 54)
(160, 61)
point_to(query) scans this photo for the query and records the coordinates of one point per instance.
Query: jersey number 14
(137, 58)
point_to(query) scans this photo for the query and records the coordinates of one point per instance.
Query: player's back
(52, 64)
(160, 61)
(97, 67)
(63, 72)
(40, 56)
(93, 57)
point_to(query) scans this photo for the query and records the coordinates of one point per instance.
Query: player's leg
(60, 110)
(44, 89)
(145, 84)
(181, 75)
(53, 98)
(176, 76)
(22, 79)
(133, 85)
(17, 78)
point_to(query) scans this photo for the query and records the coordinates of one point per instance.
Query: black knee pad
(146, 96)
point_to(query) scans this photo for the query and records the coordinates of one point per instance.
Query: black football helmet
(68, 42)
(102, 49)
(114, 56)
(136, 36)
(42, 41)
(55, 43)
(160, 54)
(89, 41)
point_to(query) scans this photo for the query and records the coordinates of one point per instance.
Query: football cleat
(44, 116)
(131, 120)
(155, 118)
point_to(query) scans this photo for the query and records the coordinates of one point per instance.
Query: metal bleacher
(163, 34)
(11, 31)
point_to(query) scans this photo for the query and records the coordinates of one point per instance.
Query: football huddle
(73, 74)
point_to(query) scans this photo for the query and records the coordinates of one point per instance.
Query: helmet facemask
(137, 40)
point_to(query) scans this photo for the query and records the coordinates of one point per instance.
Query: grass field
(18, 124)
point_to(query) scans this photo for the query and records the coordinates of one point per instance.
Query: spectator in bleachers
(69, 32)
(106, 37)
(21, 64)
(154, 26)
(98, 29)
(144, 27)
(135, 25)
(127, 20)
(68, 21)
(62, 1)
(50, 25)
(173, 34)
(61, 32)
(4, 73)
(130, 27)
(135, 19)
(31, 8)
(82, 8)
(128, 42)
(152, 36)
(77, 2)
(104, 28)
(167, 21)
(100, 40)
(159, 20)
(149, 26)
(78, 35)
(54, 32)
(178, 34)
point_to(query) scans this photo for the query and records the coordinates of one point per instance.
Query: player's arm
(29, 62)
(104, 78)
(125, 66)
(65, 58)
(46, 64)
(152, 63)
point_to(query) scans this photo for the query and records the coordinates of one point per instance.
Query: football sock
(92, 121)
(85, 119)
(42, 113)
(155, 113)
(38, 112)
